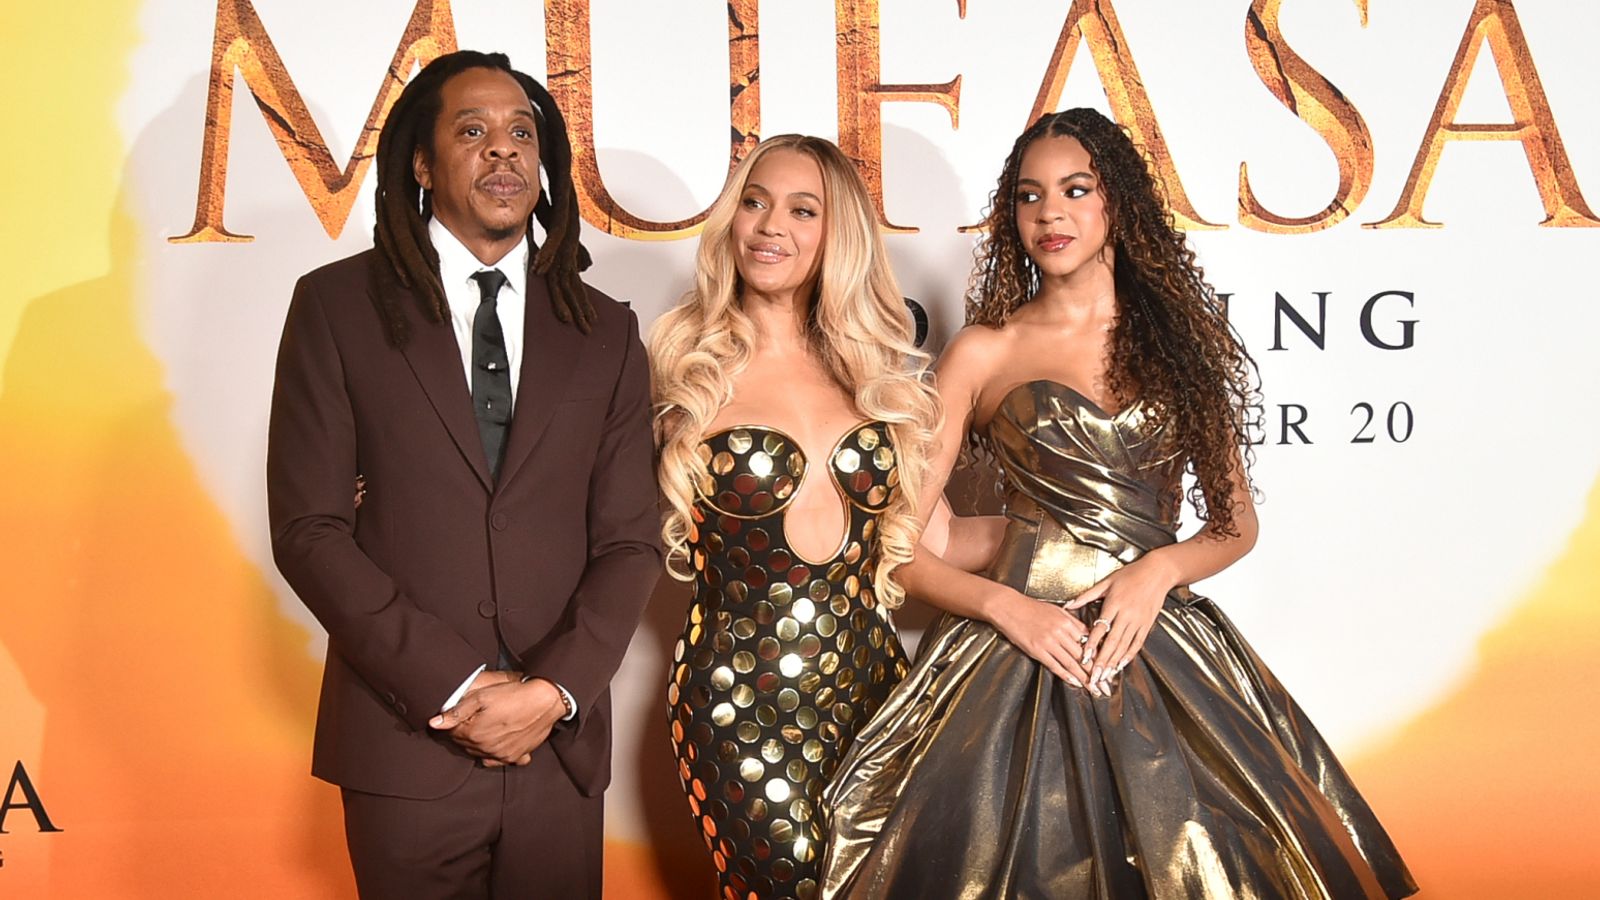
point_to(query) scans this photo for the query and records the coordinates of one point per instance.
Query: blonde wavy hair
(858, 327)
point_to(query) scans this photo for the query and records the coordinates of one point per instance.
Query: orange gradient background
(163, 705)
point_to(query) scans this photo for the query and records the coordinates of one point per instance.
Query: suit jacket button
(500, 521)
(486, 609)
(400, 708)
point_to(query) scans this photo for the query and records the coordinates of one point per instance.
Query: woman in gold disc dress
(793, 420)
(1081, 725)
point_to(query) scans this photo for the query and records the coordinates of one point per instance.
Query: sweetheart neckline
(805, 472)
(1093, 407)
(790, 438)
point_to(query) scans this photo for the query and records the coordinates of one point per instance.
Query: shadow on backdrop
(178, 698)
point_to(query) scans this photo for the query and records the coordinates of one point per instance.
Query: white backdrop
(1380, 565)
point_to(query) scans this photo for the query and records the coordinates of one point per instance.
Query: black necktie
(491, 370)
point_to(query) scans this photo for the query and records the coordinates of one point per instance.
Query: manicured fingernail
(1098, 674)
(1071, 679)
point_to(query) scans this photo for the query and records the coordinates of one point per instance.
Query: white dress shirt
(457, 265)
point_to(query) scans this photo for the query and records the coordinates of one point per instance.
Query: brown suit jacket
(559, 557)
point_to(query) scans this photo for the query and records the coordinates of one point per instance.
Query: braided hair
(406, 255)
(1171, 345)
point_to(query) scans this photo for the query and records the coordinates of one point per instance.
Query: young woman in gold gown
(1080, 724)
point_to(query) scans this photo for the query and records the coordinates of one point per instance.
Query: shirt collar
(457, 264)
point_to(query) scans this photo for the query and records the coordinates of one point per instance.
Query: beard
(510, 231)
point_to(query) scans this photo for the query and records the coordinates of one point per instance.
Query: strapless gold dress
(1198, 777)
(782, 658)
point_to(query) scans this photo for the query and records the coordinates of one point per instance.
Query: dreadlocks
(1171, 345)
(407, 255)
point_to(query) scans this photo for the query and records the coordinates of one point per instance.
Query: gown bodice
(1078, 480)
(752, 473)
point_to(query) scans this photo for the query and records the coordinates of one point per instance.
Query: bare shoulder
(975, 354)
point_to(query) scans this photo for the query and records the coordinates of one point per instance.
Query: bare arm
(1044, 631)
(1132, 597)
(1207, 551)
(967, 542)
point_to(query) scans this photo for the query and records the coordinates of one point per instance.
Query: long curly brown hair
(1171, 345)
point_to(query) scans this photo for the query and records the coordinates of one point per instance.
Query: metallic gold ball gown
(782, 658)
(1198, 777)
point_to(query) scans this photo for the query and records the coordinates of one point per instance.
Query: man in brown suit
(496, 411)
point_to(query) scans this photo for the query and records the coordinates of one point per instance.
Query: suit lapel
(551, 350)
(435, 359)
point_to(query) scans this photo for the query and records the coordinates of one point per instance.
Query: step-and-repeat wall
(1396, 198)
